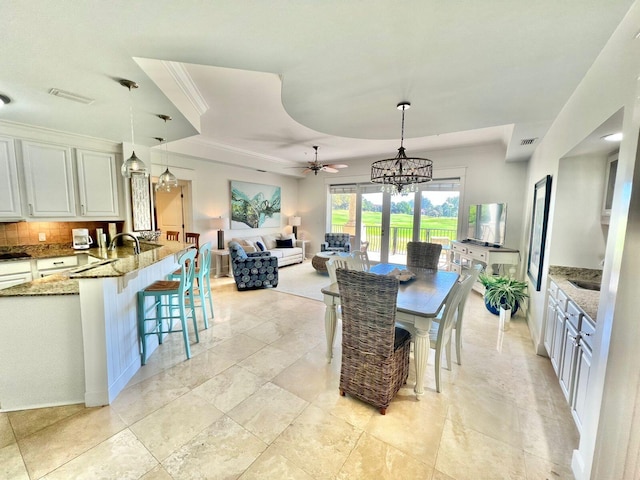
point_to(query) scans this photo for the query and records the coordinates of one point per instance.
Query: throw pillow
(270, 240)
(260, 246)
(284, 243)
(291, 236)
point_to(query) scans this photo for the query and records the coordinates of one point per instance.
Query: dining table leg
(330, 321)
(421, 346)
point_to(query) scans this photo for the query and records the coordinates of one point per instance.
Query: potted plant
(503, 292)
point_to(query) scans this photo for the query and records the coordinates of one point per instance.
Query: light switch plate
(42, 237)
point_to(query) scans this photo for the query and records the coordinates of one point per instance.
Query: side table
(220, 255)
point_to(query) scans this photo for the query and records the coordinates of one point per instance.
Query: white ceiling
(257, 83)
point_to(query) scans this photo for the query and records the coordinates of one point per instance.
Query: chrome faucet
(136, 246)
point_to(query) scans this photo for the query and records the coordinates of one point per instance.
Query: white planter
(505, 318)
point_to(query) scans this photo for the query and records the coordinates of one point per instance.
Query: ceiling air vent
(528, 141)
(71, 96)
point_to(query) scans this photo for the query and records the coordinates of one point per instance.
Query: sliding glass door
(385, 223)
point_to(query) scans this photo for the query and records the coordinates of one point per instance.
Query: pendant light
(402, 172)
(167, 180)
(132, 164)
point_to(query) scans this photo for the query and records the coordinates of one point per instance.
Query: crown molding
(186, 84)
(33, 132)
(229, 148)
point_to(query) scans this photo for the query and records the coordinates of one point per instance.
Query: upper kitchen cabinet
(48, 172)
(10, 206)
(97, 184)
(609, 184)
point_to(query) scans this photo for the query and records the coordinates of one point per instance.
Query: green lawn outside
(340, 217)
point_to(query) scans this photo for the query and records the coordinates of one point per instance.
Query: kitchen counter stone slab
(587, 300)
(67, 283)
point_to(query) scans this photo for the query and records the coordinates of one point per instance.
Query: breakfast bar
(72, 337)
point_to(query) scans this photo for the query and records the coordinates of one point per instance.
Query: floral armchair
(253, 270)
(336, 242)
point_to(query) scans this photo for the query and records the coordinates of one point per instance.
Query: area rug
(302, 280)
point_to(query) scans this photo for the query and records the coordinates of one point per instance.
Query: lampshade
(295, 221)
(132, 164)
(398, 173)
(219, 223)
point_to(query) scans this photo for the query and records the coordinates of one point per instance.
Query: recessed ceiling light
(613, 137)
(4, 100)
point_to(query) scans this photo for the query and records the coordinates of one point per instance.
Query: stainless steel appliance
(81, 238)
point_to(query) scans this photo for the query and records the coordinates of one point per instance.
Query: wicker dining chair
(423, 255)
(375, 353)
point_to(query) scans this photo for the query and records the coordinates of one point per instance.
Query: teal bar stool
(172, 301)
(202, 275)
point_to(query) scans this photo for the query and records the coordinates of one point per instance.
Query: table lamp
(220, 224)
(295, 223)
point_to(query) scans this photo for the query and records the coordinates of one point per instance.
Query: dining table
(419, 301)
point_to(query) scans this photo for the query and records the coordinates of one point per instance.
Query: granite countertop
(587, 300)
(121, 262)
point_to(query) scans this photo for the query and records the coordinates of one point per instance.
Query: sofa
(277, 244)
(253, 270)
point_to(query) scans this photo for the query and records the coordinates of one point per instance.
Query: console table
(467, 254)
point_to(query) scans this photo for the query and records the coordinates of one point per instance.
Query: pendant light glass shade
(132, 164)
(401, 174)
(167, 180)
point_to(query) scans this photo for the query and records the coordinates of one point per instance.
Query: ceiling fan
(316, 166)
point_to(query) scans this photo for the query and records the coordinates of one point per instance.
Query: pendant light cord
(402, 131)
(133, 142)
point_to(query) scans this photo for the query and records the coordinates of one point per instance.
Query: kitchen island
(72, 337)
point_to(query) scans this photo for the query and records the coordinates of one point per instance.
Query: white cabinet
(14, 272)
(48, 172)
(97, 184)
(466, 255)
(10, 207)
(50, 266)
(582, 370)
(568, 334)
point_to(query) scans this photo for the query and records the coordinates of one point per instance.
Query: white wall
(487, 179)
(579, 236)
(211, 192)
(610, 442)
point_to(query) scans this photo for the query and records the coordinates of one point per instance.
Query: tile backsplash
(27, 233)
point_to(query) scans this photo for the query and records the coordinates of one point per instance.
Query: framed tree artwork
(538, 236)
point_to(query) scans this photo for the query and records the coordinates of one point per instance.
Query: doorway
(172, 209)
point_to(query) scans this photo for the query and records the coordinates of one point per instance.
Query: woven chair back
(423, 255)
(368, 311)
(346, 263)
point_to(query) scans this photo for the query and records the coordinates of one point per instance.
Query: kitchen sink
(585, 284)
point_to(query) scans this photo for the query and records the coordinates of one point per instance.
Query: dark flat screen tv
(487, 223)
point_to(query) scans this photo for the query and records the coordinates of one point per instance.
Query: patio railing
(399, 237)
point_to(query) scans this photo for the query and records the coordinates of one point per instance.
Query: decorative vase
(495, 311)
(505, 318)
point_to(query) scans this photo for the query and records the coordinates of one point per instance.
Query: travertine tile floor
(259, 401)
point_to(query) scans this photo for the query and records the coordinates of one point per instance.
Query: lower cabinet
(568, 334)
(14, 273)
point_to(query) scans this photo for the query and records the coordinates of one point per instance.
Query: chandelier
(132, 164)
(402, 173)
(167, 180)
